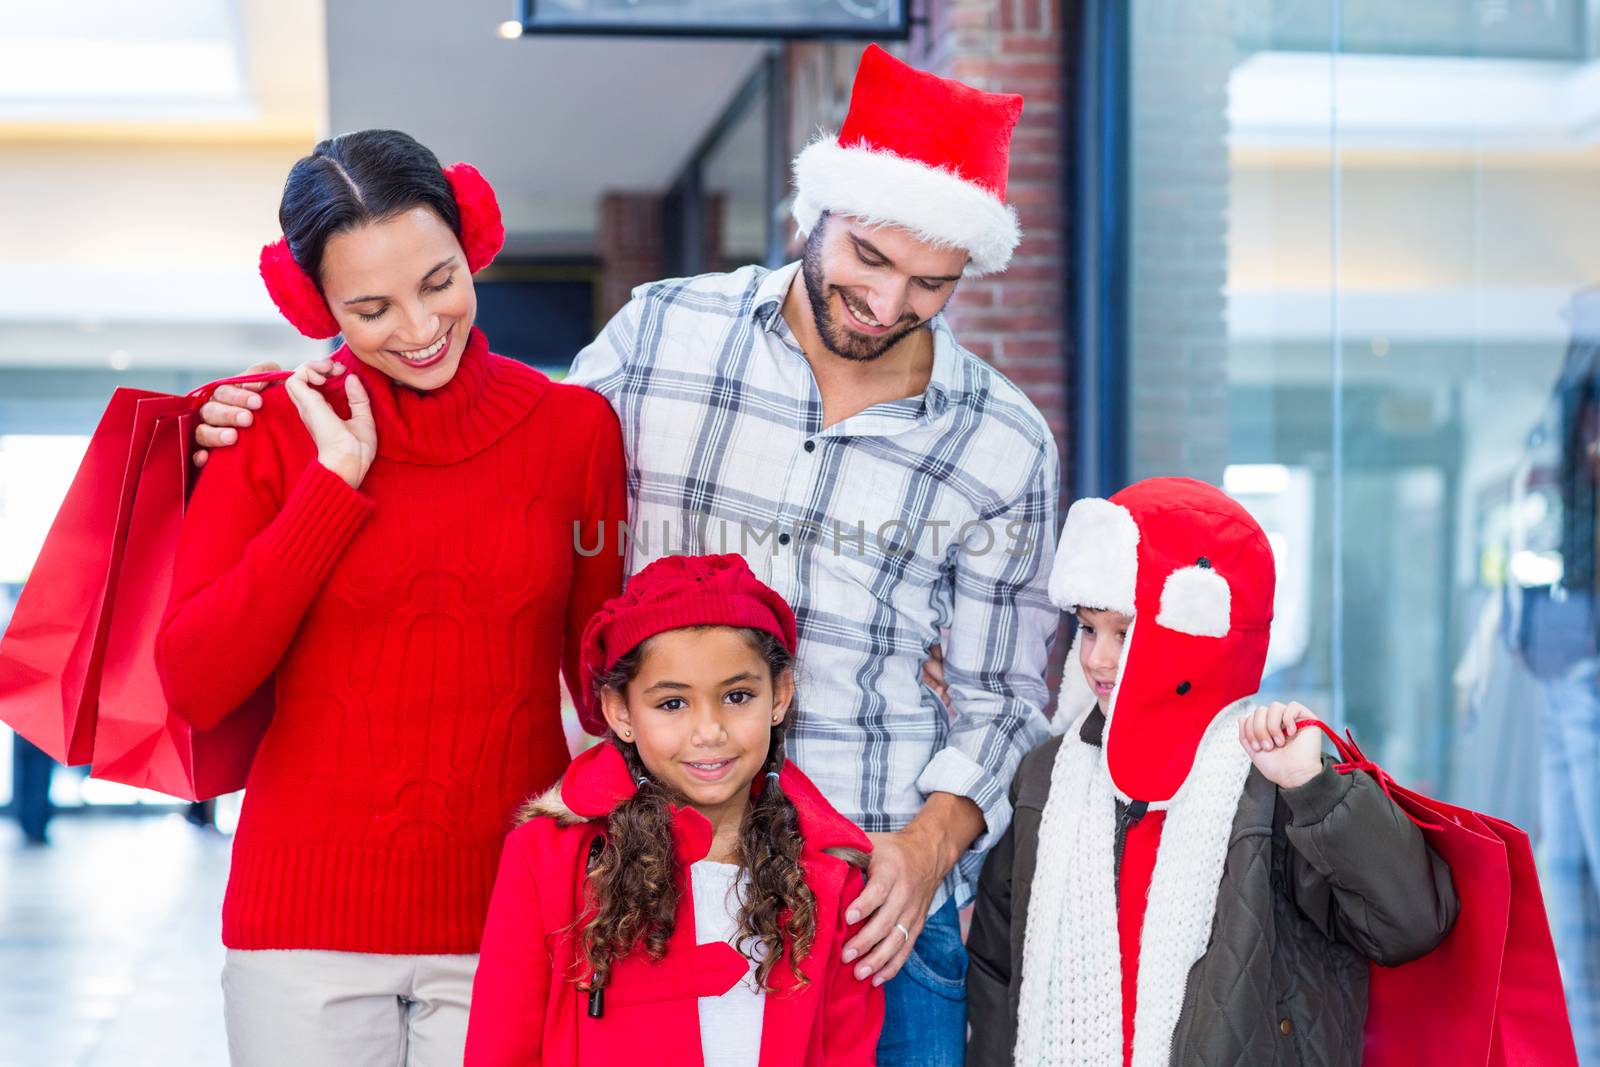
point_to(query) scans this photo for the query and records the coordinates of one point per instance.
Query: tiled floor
(109, 945)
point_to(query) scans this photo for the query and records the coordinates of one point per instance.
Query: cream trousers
(305, 1008)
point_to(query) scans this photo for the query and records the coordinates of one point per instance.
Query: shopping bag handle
(1353, 759)
(205, 391)
(271, 377)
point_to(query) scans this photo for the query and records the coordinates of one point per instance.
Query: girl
(397, 561)
(685, 885)
(1186, 881)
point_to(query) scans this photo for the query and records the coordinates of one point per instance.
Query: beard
(838, 338)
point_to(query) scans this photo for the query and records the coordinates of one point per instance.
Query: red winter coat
(527, 1009)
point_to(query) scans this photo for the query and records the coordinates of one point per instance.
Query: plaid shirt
(914, 518)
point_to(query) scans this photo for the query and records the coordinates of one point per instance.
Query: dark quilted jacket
(1318, 880)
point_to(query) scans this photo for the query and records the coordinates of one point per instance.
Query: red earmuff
(297, 296)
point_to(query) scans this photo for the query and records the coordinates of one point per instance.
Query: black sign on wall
(864, 19)
(539, 313)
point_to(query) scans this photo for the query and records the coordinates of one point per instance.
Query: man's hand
(906, 869)
(231, 407)
(933, 673)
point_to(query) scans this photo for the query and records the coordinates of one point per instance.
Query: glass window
(735, 189)
(106, 60)
(35, 471)
(1363, 243)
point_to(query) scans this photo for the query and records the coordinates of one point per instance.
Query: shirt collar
(767, 309)
(947, 378)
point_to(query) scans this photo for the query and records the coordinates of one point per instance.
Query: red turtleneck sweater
(413, 631)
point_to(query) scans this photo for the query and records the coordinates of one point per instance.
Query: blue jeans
(1570, 842)
(925, 1005)
(30, 788)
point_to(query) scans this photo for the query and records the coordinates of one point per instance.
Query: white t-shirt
(730, 1025)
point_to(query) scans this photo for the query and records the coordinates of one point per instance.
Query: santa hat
(1195, 571)
(920, 152)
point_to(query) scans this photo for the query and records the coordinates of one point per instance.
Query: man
(821, 420)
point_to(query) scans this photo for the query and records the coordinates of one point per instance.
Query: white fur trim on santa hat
(1197, 601)
(1097, 558)
(884, 189)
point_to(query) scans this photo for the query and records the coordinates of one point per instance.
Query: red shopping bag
(51, 652)
(53, 673)
(137, 739)
(1490, 995)
(1531, 1021)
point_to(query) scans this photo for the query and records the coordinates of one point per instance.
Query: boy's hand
(1284, 754)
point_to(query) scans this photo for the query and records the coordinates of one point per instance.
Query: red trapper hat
(1195, 571)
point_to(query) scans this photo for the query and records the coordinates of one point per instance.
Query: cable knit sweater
(413, 632)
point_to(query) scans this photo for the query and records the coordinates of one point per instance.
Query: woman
(395, 549)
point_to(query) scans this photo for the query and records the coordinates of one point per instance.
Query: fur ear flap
(1197, 601)
(1097, 559)
(1074, 697)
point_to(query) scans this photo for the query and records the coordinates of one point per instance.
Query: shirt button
(783, 539)
(1286, 1027)
(811, 446)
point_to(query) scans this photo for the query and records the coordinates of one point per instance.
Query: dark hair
(356, 178)
(633, 886)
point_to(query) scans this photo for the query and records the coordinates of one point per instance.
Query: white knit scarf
(1071, 1003)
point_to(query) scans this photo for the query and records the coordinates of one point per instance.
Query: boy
(1187, 880)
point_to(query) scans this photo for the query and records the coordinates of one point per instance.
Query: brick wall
(1016, 320)
(629, 244)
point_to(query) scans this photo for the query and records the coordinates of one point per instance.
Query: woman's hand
(1284, 754)
(347, 447)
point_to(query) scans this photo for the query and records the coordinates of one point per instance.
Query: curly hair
(633, 885)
